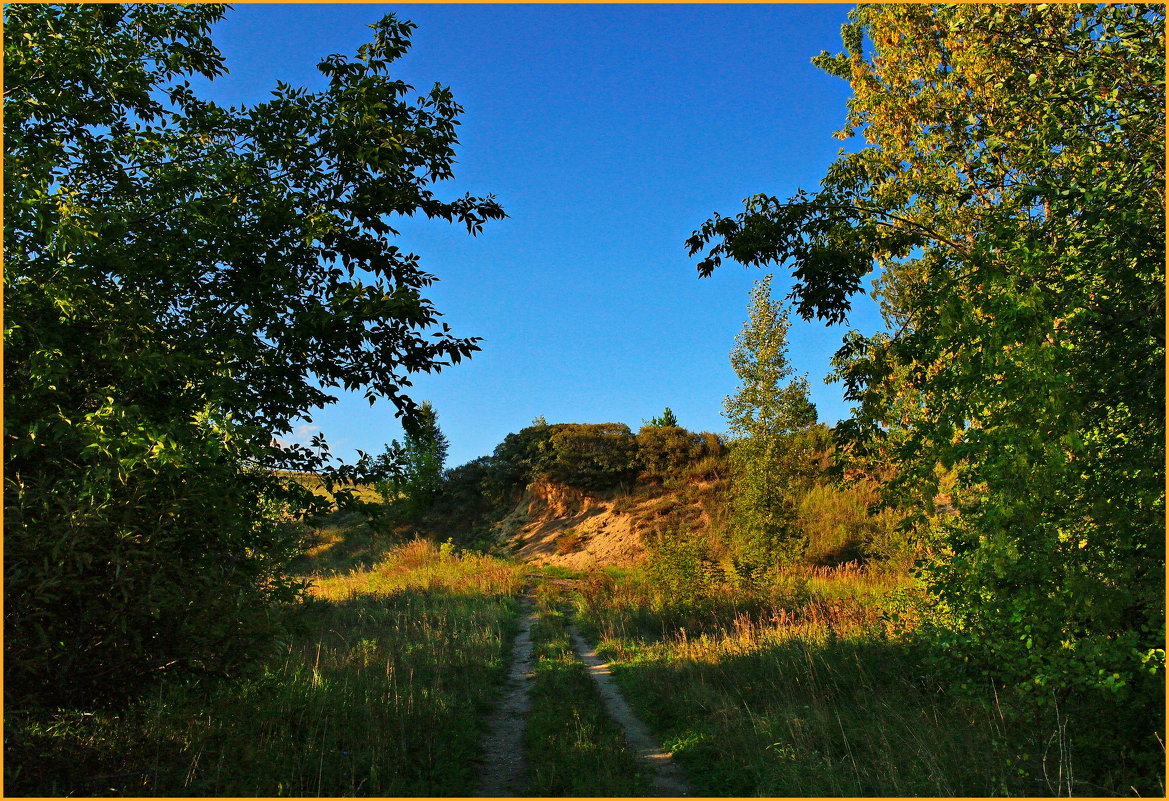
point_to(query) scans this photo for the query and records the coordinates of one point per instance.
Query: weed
(384, 698)
(570, 541)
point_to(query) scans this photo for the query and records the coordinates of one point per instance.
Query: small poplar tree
(416, 463)
(765, 415)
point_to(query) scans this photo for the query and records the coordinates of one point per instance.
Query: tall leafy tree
(415, 464)
(765, 417)
(182, 282)
(1010, 190)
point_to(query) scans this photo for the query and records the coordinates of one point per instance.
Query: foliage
(765, 418)
(841, 526)
(1011, 191)
(182, 282)
(662, 449)
(591, 455)
(666, 419)
(522, 455)
(414, 466)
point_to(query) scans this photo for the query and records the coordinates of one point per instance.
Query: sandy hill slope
(561, 525)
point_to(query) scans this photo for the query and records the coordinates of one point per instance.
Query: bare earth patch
(504, 767)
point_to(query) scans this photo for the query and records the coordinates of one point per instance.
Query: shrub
(570, 541)
(666, 449)
(594, 456)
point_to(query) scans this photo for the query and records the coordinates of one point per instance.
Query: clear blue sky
(608, 133)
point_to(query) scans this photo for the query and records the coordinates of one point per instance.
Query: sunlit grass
(817, 695)
(382, 695)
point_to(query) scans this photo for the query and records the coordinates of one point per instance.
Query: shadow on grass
(758, 712)
(340, 542)
(384, 698)
(815, 719)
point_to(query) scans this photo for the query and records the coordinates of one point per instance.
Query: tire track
(504, 769)
(669, 780)
(504, 772)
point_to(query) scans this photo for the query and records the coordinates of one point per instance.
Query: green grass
(822, 699)
(574, 749)
(558, 571)
(384, 698)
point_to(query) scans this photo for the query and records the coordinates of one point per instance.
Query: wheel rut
(669, 780)
(505, 769)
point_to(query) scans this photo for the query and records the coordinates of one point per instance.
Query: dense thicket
(182, 281)
(1010, 189)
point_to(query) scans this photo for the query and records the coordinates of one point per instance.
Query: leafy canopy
(182, 282)
(1010, 192)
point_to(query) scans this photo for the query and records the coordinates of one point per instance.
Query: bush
(520, 457)
(570, 541)
(594, 456)
(113, 582)
(666, 449)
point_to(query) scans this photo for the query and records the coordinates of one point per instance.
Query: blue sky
(608, 133)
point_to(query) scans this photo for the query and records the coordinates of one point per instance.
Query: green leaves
(183, 283)
(1013, 201)
(765, 418)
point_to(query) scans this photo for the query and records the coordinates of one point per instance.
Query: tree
(666, 419)
(416, 463)
(765, 418)
(183, 281)
(1011, 191)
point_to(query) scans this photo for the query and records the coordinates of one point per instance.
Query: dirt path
(504, 769)
(669, 781)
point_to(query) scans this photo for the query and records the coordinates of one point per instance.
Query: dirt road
(504, 771)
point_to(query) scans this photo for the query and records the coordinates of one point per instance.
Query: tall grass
(574, 749)
(382, 695)
(813, 696)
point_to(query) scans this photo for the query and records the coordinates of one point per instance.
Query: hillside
(557, 524)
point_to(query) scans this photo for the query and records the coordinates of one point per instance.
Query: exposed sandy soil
(548, 511)
(559, 525)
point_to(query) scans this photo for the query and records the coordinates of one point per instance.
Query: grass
(312, 482)
(574, 749)
(384, 698)
(821, 698)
